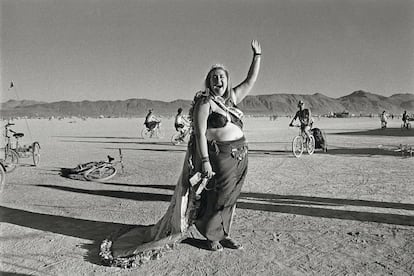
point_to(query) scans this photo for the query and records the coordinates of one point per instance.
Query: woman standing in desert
(217, 151)
(222, 149)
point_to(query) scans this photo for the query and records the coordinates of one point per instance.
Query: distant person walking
(384, 119)
(405, 119)
(305, 118)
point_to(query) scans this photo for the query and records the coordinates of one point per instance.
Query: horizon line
(316, 93)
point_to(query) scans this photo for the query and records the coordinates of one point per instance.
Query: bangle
(257, 54)
(205, 159)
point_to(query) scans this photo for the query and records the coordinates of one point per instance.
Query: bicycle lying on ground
(154, 132)
(301, 141)
(405, 150)
(12, 155)
(98, 170)
(181, 136)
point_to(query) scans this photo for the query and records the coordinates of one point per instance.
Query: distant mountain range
(358, 103)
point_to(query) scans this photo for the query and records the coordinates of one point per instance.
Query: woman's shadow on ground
(97, 231)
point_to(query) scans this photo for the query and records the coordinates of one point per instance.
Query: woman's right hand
(207, 170)
(257, 49)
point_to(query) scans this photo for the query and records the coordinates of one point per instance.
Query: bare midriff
(229, 132)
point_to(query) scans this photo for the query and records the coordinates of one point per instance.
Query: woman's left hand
(257, 49)
(207, 170)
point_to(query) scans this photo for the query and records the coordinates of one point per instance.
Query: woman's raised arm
(241, 90)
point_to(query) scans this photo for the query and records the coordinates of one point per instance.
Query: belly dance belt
(237, 149)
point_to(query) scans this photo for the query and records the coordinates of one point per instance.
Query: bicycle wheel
(297, 146)
(310, 147)
(101, 173)
(159, 133)
(11, 160)
(82, 168)
(2, 177)
(145, 133)
(36, 153)
(176, 139)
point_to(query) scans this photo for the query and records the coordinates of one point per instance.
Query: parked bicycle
(181, 136)
(99, 170)
(13, 154)
(405, 150)
(2, 175)
(154, 132)
(301, 141)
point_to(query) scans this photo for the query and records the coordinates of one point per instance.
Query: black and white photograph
(206, 137)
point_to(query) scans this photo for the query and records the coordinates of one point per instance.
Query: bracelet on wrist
(257, 54)
(205, 159)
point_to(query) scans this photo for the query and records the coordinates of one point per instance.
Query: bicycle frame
(187, 131)
(17, 147)
(156, 128)
(2, 175)
(102, 170)
(181, 135)
(25, 151)
(307, 142)
(406, 125)
(302, 133)
(11, 157)
(8, 137)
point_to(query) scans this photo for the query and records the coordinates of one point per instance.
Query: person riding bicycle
(305, 118)
(181, 123)
(151, 121)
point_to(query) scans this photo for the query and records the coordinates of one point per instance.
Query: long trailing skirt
(211, 214)
(218, 201)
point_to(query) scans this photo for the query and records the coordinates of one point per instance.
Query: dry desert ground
(349, 211)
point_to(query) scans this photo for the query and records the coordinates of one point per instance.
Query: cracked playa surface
(346, 212)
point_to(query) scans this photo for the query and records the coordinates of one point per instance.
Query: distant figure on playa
(213, 173)
(384, 119)
(405, 119)
(151, 120)
(273, 117)
(181, 123)
(305, 119)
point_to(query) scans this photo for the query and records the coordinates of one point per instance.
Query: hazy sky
(162, 49)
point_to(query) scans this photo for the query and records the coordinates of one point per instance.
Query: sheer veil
(133, 246)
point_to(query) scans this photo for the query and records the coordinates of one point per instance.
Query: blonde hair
(215, 67)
